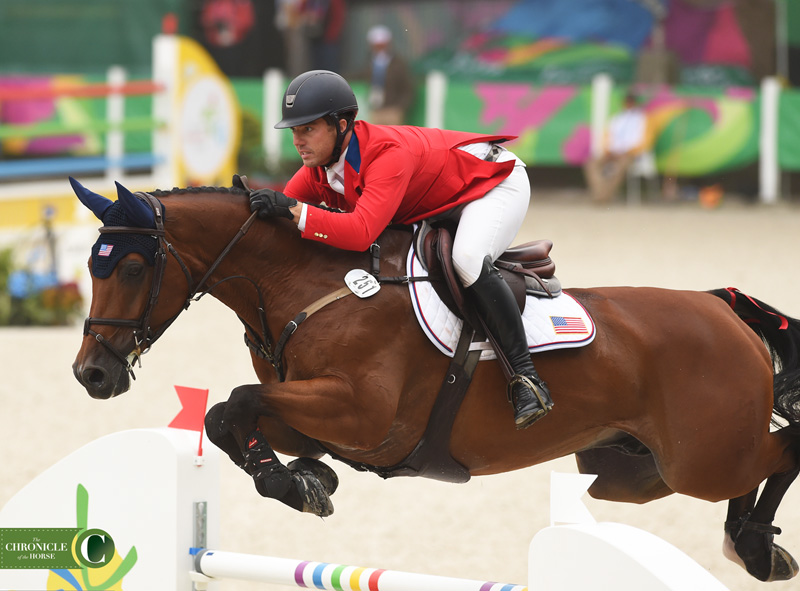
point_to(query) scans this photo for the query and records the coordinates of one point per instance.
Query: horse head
(130, 305)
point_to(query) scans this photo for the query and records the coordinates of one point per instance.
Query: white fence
(160, 504)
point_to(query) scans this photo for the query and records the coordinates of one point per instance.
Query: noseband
(143, 334)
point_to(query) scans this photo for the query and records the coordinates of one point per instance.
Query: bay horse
(676, 394)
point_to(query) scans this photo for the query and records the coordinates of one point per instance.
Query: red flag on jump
(193, 411)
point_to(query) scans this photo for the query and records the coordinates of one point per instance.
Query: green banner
(792, 23)
(789, 130)
(81, 36)
(37, 548)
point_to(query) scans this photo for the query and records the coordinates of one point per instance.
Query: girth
(431, 457)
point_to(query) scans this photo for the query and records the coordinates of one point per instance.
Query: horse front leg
(305, 484)
(281, 436)
(321, 408)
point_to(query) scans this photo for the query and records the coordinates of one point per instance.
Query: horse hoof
(766, 561)
(318, 470)
(784, 566)
(313, 494)
(729, 551)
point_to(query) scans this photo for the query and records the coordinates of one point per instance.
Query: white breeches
(487, 226)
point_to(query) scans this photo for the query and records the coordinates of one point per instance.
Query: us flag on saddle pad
(568, 325)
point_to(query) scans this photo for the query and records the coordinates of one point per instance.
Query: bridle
(143, 334)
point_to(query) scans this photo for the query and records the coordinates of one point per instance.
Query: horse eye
(133, 269)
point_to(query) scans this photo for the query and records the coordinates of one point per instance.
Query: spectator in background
(311, 31)
(324, 22)
(289, 21)
(392, 87)
(626, 138)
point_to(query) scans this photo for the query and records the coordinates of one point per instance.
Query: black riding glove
(269, 203)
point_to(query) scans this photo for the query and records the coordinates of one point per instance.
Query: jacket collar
(353, 156)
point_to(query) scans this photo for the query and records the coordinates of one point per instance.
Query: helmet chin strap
(340, 135)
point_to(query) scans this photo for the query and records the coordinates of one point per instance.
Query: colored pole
(92, 90)
(333, 577)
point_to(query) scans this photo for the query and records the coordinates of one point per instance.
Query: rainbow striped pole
(333, 577)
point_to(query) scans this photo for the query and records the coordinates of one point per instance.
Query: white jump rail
(213, 564)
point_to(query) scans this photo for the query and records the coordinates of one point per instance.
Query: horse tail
(781, 335)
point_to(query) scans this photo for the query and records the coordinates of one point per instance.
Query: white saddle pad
(550, 323)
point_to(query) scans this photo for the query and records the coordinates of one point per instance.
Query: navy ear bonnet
(129, 210)
(112, 247)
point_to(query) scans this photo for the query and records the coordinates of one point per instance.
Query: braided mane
(189, 190)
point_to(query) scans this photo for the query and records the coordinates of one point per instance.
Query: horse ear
(97, 204)
(140, 213)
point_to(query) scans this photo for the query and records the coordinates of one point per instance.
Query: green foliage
(56, 305)
(5, 297)
(250, 160)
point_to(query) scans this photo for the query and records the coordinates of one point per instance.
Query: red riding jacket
(394, 174)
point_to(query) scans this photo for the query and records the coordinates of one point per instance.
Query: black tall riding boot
(496, 304)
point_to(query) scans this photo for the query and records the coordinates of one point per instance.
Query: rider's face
(315, 142)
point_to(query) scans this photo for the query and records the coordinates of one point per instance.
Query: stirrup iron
(532, 386)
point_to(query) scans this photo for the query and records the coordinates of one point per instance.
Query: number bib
(362, 283)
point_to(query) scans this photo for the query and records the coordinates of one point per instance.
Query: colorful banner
(696, 132)
(549, 43)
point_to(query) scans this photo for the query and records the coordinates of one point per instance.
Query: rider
(379, 174)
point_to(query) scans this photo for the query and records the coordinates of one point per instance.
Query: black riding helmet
(315, 94)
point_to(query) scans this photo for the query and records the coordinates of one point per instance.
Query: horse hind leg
(739, 509)
(749, 539)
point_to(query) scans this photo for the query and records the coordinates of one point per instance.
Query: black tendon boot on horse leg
(496, 304)
(305, 484)
(272, 479)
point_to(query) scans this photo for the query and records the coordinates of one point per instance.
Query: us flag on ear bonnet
(110, 248)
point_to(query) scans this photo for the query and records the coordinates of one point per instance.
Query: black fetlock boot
(272, 479)
(497, 306)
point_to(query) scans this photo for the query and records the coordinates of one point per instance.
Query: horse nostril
(94, 376)
(101, 382)
(96, 381)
